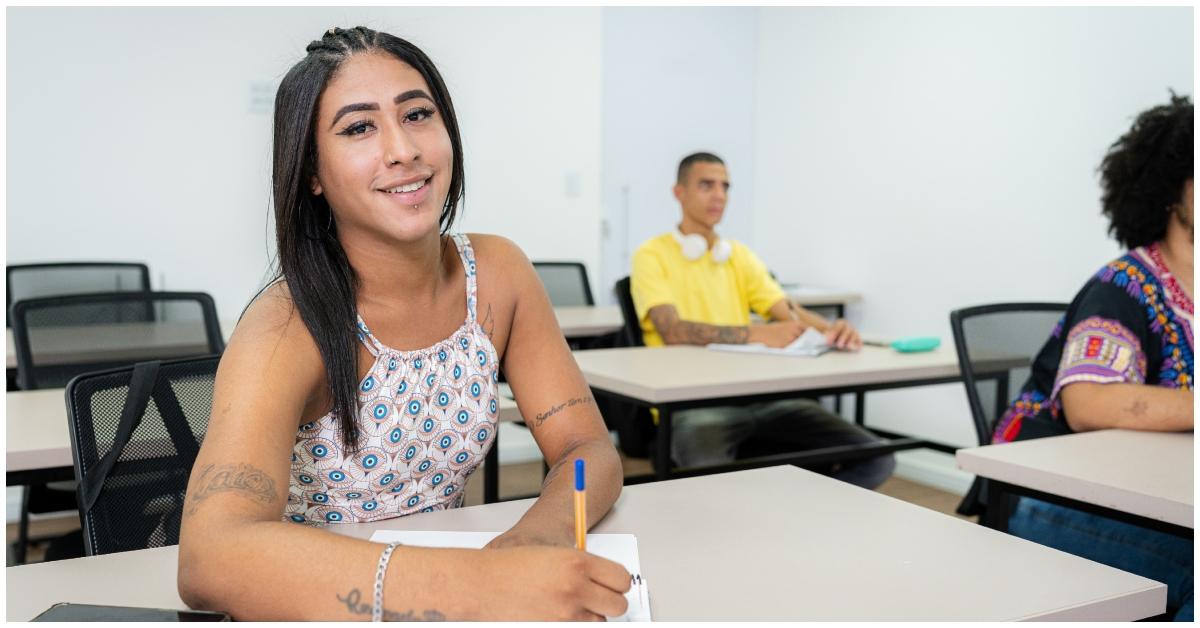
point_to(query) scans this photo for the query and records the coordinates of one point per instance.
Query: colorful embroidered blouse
(426, 419)
(1131, 322)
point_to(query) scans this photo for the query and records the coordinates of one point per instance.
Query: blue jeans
(1148, 553)
(705, 436)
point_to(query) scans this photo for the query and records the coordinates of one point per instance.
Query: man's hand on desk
(779, 334)
(842, 336)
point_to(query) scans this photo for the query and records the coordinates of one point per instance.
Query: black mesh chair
(633, 424)
(31, 281)
(996, 345)
(566, 283)
(57, 338)
(135, 433)
(633, 326)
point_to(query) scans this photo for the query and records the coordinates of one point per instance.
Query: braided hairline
(343, 41)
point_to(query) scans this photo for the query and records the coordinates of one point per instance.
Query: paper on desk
(621, 548)
(810, 344)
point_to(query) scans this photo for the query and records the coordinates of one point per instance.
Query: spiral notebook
(621, 548)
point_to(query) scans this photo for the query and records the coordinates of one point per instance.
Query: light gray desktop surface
(687, 373)
(778, 543)
(37, 434)
(1149, 474)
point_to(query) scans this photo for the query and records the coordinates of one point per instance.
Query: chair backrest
(132, 478)
(996, 345)
(31, 281)
(633, 326)
(566, 283)
(57, 338)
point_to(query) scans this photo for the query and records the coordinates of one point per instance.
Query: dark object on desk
(133, 457)
(57, 338)
(32, 281)
(985, 331)
(566, 283)
(66, 611)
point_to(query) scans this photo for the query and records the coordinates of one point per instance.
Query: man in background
(690, 286)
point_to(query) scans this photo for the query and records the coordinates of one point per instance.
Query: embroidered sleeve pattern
(1101, 351)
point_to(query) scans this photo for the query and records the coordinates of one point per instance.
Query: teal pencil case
(916, 344)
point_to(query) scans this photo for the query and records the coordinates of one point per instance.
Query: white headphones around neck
(694, 245)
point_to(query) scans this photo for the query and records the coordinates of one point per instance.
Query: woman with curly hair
(1122, 355)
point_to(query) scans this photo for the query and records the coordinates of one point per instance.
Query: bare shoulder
(271, 334)
(496, 249)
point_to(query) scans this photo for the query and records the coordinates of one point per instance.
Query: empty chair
(996, 345)
(135, 434)
(30, 281)
(566, 283)
(57, 338)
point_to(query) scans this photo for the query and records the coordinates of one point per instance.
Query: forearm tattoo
(564, 460)
(541, 418)
(675, 331)
(355, 604)
(243, 480)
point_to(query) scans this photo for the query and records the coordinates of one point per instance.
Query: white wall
(142, 133)
(938, 158)
(676, 81)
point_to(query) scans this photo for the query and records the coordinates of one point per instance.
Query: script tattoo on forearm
(355, 605)
(240, 479)
(676, 331)
(564, 461)
(541, 418)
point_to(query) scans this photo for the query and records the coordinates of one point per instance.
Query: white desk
(38, 441)
(586, 320)
(679, 377)
(738, 546)
(1149, 475)
(118, 338)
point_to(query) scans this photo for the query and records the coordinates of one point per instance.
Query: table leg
(491, 475)
(860, 408)
(662, 457)
(996, 515)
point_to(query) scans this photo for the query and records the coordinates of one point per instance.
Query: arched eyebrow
(370, 106)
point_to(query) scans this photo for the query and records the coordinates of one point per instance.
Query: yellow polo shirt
(702, 290)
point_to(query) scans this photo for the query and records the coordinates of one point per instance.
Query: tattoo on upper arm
(244, 480)
(489, 324)
(541, 418)
(355, 604)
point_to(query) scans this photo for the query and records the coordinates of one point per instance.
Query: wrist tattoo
(356, 606)
(541, 418)
(240, 479)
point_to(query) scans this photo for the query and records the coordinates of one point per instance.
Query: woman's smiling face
(384, 157)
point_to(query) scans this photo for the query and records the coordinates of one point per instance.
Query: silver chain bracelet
(380, 572)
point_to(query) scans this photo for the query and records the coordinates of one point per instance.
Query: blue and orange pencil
(580, 507)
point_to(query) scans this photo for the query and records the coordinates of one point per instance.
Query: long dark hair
(1144, 172)
(322, 283)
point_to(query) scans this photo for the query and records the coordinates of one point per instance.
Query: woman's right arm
(1090, 406)
(237, 555)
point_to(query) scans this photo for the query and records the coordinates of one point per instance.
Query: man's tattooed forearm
(702, 334)
(541, 418)
(240, 479)
(355, 604)
(676, 331)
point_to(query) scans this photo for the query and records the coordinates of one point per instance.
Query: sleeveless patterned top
(426, 419)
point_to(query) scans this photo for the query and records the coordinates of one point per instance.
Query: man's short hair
(686, 164)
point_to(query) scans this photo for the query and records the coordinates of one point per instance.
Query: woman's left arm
(561, 414)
